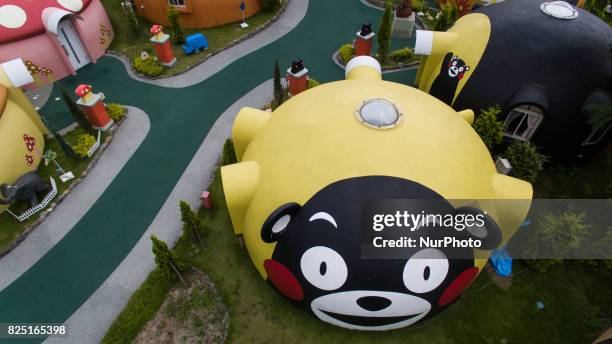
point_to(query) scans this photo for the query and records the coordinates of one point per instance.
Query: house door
(71, 43)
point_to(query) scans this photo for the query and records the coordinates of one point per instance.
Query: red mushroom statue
(157, 31)
(84, 92)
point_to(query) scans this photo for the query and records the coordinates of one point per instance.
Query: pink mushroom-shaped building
(54, 38)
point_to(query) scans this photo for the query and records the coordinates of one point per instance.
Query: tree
(191, 222)
(490, 129)
(597, 7)
(65, 147)
(525, 159)
(229, 154)
(384, 33)
(561, 236)
(167, 261)
(278, 87)
(178, 37)
(77, 114)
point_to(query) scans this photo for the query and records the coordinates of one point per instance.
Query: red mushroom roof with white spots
(20, 19)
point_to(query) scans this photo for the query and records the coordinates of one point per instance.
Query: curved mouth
(368, 321)
(453, 72)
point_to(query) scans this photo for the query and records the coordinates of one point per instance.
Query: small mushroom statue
(404, 9)
(366, 29)
(84, 92)
(157, 31)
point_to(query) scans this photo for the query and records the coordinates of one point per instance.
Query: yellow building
(304, 171)
(21, 129)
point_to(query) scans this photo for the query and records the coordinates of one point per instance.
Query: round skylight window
(379, 113)
(559, 9)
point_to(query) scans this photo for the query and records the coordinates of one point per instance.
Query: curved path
(67, 276)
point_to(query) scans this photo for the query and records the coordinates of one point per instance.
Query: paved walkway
(125, 142)
(66, 282)
(91, 321)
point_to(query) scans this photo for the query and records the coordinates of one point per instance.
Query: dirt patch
(189, 315)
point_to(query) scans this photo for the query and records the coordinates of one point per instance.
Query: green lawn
(578, 304)
(131, 43)
(11, 228)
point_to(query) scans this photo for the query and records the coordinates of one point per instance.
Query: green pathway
(180, 118)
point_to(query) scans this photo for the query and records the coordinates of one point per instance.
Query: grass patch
(578, 304)
(141, 307)
(131, 43)
(11, 228)
(589, 181)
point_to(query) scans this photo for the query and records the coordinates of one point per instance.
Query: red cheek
(283, 280)
(460, 76)
(458, 286)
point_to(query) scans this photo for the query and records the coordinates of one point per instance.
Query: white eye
(324, 268)
(454, 63)
(425, 270)
(461, 69)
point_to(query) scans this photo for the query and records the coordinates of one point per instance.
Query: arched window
(522, 122)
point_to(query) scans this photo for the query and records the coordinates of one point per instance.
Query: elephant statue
(25, 188)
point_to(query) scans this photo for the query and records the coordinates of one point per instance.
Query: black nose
(373, 303)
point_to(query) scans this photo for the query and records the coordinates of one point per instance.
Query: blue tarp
(501, 262)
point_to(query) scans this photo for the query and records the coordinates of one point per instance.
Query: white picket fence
(95, 146)
(40, 206)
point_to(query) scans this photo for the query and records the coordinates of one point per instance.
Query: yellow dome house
(306, 169)
(21, 129)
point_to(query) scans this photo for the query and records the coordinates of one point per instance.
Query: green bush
(115, 111)
(313, 83)
(229, 154)
(84, 143)
(526, 161)
(490, 129)
(148, 67)
(562, 234)
(347, 52)
(417, 5)
(446, 17)
(270, 5)
(384, 32)
(401, 55)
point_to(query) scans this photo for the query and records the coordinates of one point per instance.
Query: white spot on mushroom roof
(12, 16)
(73, 5)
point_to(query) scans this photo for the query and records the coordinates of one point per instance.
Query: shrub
(490, 129)
(84, 143)
(446, 17)
(229, 154)
(115, 111)
(556, 234)
(148, 67)
(525, 159)
(270, 5)
(418, 5)
(313, 83)
(346, 52)
(384, 32)
(401, 55)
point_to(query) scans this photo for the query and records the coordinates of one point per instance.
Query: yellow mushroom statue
(306, 170)
(21, 129)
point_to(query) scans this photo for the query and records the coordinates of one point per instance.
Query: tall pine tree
(178, 37)
(384, 32)
(278, 87)
(77, 114)
(168, 262)
(192, 225)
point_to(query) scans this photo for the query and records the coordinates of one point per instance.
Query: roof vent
(559, 9)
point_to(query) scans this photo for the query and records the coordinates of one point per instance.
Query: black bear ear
(455, 57)
(467, 68)
(484, 228)
(276, 224)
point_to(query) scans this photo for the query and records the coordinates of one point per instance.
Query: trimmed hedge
(347, 52)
